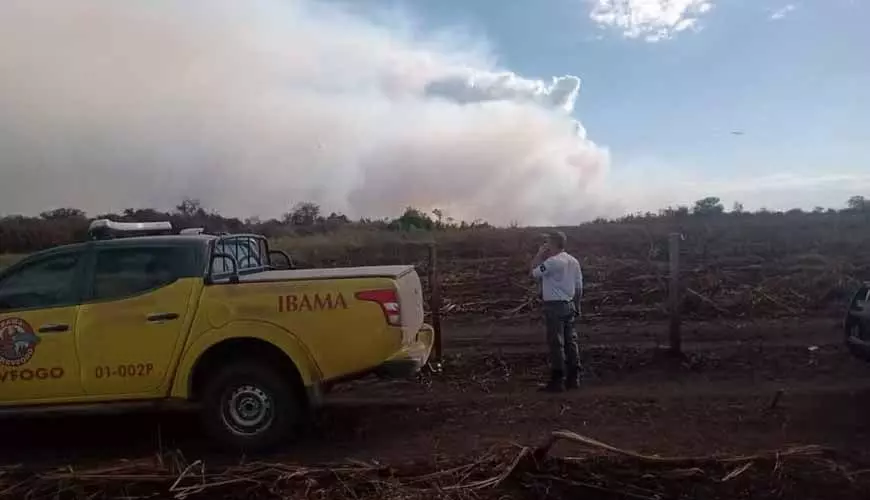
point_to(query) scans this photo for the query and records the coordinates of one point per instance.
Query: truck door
(38, 310)
(132, 323)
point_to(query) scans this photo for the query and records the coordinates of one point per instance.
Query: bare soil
(740, 388)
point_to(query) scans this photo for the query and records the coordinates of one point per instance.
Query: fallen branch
(707, 301)
(555, 437)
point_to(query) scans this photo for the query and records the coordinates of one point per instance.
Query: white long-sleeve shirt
(561, 277)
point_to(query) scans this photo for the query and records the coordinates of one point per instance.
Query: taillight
(389, 302)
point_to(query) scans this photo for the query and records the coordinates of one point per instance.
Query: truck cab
(141, 315)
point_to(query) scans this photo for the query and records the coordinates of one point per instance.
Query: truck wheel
(250, 406)
(855, 329)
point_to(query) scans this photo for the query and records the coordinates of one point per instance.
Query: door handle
(157, 317)
(53, 328)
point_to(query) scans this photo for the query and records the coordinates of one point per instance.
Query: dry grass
(519, 472)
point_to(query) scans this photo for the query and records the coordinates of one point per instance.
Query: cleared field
(764, 369)
(733, 266)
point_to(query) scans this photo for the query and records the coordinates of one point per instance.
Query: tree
(737, 208)
(439, 217)
(143, 215)
(305, 214)
(190, 207)
(337, 218)
(667, 212)
(708, 206)
(413, 219)
(63, 213)
(858, 204)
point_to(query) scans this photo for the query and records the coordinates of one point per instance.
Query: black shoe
(553, 387)
(556, 383)
(573, 381)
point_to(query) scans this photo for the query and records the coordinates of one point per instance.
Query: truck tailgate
(410, 293)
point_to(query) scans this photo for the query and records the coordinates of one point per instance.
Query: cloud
(652, 20)
(782, 12)
(253, 106)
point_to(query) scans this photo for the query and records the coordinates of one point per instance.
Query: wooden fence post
(674, 294)
(435, 299)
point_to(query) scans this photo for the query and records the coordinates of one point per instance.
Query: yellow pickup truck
(143, 316)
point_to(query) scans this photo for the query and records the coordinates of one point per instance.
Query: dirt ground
(721, 398)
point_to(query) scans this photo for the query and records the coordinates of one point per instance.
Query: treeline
(21, 234)
(712, 206)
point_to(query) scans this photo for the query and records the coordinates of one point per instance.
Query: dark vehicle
(857, 323)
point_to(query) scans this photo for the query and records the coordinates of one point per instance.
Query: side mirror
(224, 257)
(279, 253)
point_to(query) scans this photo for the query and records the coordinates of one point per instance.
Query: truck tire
(854, 328)
(250, 406)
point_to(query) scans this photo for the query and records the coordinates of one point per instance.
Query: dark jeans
(562, 338)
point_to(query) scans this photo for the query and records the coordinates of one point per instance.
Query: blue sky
(792, 76)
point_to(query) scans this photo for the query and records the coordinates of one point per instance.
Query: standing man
(561, 289)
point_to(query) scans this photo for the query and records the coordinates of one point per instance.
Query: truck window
(247, 252)
(49, 282)
(124, 272)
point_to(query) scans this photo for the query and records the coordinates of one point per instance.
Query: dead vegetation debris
(516, 472)
(635, 289)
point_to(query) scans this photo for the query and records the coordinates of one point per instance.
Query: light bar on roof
(105, 228)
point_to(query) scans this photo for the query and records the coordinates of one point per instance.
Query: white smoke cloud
(653, 20)
(780, 13)
(252, 106)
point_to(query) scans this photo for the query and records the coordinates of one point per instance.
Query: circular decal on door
(17, 342)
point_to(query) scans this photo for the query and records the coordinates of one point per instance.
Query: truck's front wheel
(250, 406)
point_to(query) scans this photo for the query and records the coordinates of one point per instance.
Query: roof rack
(105, 229)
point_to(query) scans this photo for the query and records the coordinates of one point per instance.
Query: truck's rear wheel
(250, 406)
(854, 331)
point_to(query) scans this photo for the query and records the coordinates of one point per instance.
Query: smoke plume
(253, 106)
